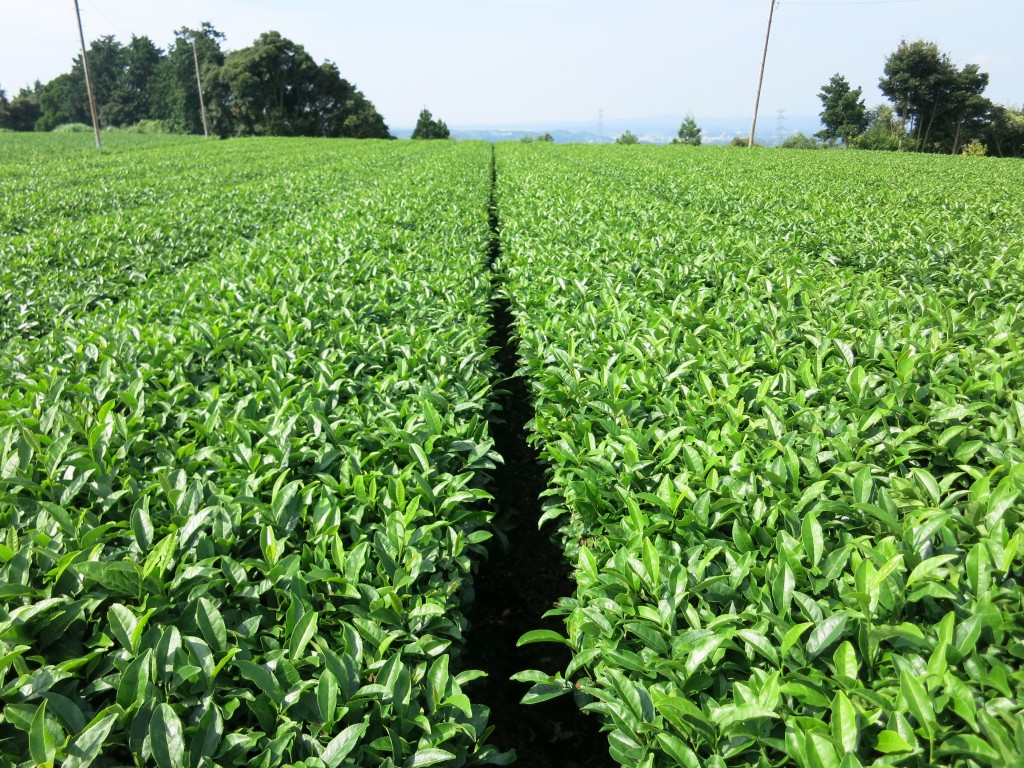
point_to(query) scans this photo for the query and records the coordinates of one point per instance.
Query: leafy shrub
(974, 149)
(799, 141)
(150, 127)
(72, 128)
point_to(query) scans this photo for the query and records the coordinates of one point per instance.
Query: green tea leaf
(845, 661)
(40, 740)
(342, 744)
(541, 636)
(890, 743)
(211, 625)
(327, 696)
(305, 629)
(208, 735)
(545, 691)
(86, 746)
(928, 567)
(844, 723)
(825, 634)
(918, 702)
(970, 746)
(813, 538)
(166, 738)
(122, 625)
(782, 590)
(792, 635)
(431, 756)
(863, 485)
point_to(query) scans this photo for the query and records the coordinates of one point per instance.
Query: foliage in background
(429, 128)
(689, 132)
(627, 137)
(275, 88)
(1004, 134)
(272, 87)
(944, 105)
(843, 112)
(22, 111)
(800, 141)
(934, 107)
(974, 149)
(885, 131)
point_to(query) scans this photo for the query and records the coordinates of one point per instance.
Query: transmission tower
(600, 126)
(780, 125)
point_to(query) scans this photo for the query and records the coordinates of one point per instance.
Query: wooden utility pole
(88, 81)
(760, 77)
(199, 82)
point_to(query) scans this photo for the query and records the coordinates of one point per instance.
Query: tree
(944, 106)
(3, 109)
(269, 88)
(123, 81)
(343, 111)
(689, 132)
(843, 112)
(275, 88)
(545, 137)
(176, 96)
(63, 100)
(627, 137)
(133, 98)
(23, 110)
(1004, 133)
(428, 128)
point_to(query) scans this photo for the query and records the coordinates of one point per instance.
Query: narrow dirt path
(515, 587)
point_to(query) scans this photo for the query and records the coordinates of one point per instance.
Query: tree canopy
(843, 112)
(275, 88)
(627, 137)
(429, 128)
(272, 87)
(935, 106)
(943, 105)
(1004, 133)
(689, 132)
(21, 112)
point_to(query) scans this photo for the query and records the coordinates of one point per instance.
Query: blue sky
(499, 62)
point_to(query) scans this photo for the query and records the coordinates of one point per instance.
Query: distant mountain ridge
(651, 130)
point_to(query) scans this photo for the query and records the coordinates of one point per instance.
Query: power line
(105, 16)
(848, 2)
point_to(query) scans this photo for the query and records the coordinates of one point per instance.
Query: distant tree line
(934, 107)
(270, 88)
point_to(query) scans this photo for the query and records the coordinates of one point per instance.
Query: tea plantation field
(248, 402)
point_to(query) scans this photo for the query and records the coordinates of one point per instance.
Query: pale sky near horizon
(499, 62)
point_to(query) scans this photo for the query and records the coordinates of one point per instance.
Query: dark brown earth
(514, 587)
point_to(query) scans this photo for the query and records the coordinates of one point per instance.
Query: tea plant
(240, 506)
(781, 400)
